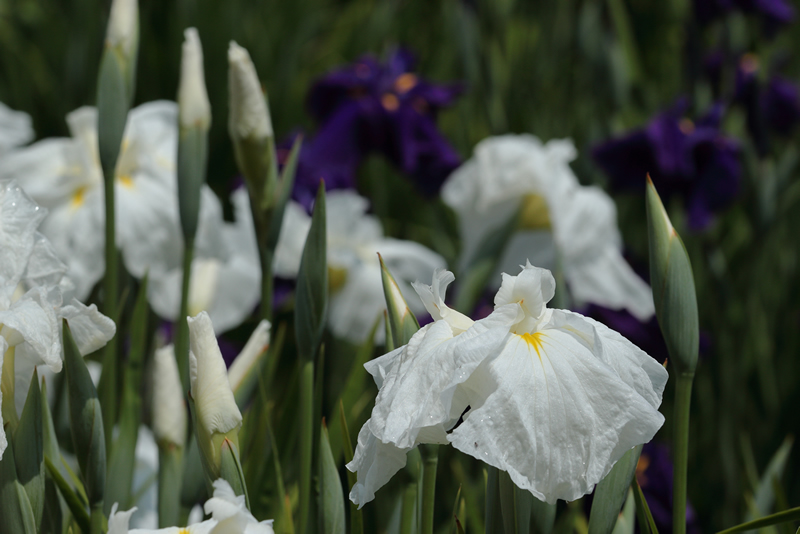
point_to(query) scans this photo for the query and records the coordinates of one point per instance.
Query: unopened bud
(169, 417)
(194, 109)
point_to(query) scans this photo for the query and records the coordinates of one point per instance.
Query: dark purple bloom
(689, 159)
(774, 13)
(381, 107)
(780, 104)
(654, 474)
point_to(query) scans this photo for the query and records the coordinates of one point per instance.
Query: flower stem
(109, 390)
(306, 442)
(430, 459)
(683, 399)
(267, 282)
(182, 335)
(170, 475)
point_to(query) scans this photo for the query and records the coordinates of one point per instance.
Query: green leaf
(543, 516)
(231, 469)
(331, 499)
(515, 505)
(765, 495)
(86, 420)
(673, 286)
(192, 159)
(29, 447)
(311, 295)
(284, 192)
(113, 102)
(72, 498)
(170, 470)
(119, 481)
(625, 521)
(792, 514)
(647, 524)
(356, 517)
(401, 319)
(15, 507)
(611, 493)
(494, 513)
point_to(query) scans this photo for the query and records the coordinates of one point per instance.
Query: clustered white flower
(547, 395)
(36, 294)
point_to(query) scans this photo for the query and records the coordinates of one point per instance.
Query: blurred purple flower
(654, 474)
(774, 106)
(774, 13)
(689, 159)
(645, 335)
(379, 107)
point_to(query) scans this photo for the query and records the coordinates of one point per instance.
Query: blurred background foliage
(585, 69)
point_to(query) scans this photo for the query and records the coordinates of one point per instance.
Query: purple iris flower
(690, 159)
(774, 13)
(379, 107)
(774, 106)
(654, 474)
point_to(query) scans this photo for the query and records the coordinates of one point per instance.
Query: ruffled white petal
(15, 128)
(90, 328)
(231, 514)
(552, 415)
(432, 297)
(3, 439)
(118, 521)
(19, 218)
(375, 463)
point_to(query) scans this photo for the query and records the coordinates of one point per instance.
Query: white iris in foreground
(550, 396)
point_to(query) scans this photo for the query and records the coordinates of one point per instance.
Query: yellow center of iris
(77, 197)
(534, 214)
(336, 278)
(126, 180)
(534, 340)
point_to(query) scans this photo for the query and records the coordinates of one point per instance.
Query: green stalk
(182, 335)
(306, 442)
(430, 458)
(109, 387)
(170, 474)
(407, 519)
(683, 399)
(266, 283)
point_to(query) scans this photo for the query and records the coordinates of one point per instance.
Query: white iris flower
(354, 273)
(563, 225)
(228, 515)
(547, 395)
(64, 175)
(35, 295)
(226, 273)
(15, 128)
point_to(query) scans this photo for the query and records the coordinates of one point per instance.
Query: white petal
(118, 521)
(248, 115)
(90, 328)
(433, 298)
(44, 267)
(375, 463)
(294, 230)
(33, 319)
(15, 128)
(216, 407)
(169, 410)
(354, 309)
(19, 218)
(418, 390)
(553, 415)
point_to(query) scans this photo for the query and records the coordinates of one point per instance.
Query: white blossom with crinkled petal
(15, 128)
(33, 290)
(567, 224)
(547, 395)
(64, 175)
(229, 515)
(354, 240)
(226, 271)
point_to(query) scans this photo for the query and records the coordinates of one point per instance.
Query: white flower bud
(123, 25)
(256, 345)
(194, 108)
(217, 412)
(169, 411)
(248, 115)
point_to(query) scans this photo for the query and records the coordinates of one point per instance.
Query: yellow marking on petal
(184, 531)
(534, 214)
(534, 340)
(405, 82)
(390, 102)
(336, 278)
(77, 197)
(126, 180)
